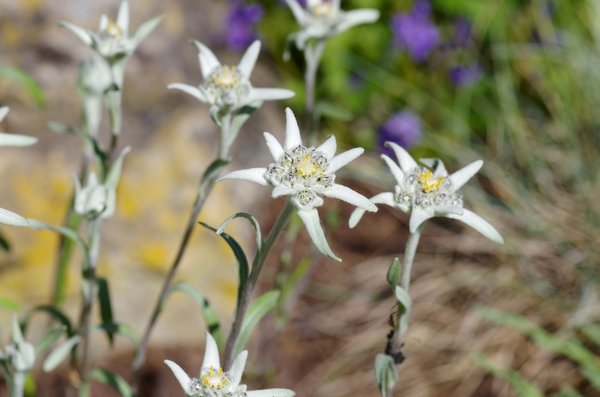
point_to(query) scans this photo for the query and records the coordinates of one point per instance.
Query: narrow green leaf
(257, 310)
(393, 274)
(108, 378)
(26, 81)
(592, 332)
(106, 312)
(13, 219)
(523, 387)
(60, 353)
(213, 169)
(4, 245)
(385, 374)
(328, 109)
(54, 313)
(9, 304)
(51, 336)
(121, 329)
(567, 391)
(112, 179)
(240, 256)
(253, 222)
(210, 317)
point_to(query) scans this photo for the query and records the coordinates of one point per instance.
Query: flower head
(228, 87)
(112, 40)
(429, 191)
(20, 354)
(321, 19)
(241, 22)
(214, 382)
(415, 32)
(403, 128)
(305, 175)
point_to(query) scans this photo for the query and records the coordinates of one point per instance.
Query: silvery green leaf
(24, 355)
(385, 373)
(10, 218)
(251, 219)
(113, 100)
(112, 179)
(257, 310)
(405, 302)
(17, 334)
(51, 336)
(394, 273)
(16, 140)
(60, 353)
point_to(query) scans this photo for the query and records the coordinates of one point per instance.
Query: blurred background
(515, 83)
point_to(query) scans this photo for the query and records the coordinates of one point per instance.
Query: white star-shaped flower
(425, 193)
(214, 382)
(228, 87)
(324, 18)
(305, 174)
(112, 40)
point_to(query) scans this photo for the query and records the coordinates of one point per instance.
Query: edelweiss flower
(305, 174)
(112, 40)
(213, 382)
(425, 193)
(324, 18)
(95, 199)
(227, 87)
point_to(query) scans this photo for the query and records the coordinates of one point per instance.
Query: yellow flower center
(226, 77)
(322, 9)
(428, 182)
(306, 167)
(113, 30)
(214, 379)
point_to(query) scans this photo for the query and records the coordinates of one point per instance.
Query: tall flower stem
(407, 264)
(312, 56)
(205, 187)
(248, 287)
(89, 292)
(17, 386)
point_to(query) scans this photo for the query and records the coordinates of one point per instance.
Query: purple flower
(403, 128)
(241, 24)
(465, 76)
(462, 33)
(415, 32)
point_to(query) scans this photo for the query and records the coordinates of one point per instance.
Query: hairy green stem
(17, 385)
(407, 263)
(89, 293)
(247, 288)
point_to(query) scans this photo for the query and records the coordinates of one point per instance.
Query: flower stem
(247, 288)
(407, 263)
(312, 56)
(17, 386)
(89, 292)
(205, 187)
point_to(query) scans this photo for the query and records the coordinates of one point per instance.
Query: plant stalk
(312, 56)
(17, 386)
(247, 288)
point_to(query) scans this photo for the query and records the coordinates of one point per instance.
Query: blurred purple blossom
(415, 32)
(403, 128)
(465, 76)
(241, 24)
(462, 33)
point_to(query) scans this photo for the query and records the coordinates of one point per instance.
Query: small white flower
(305, 174)
(112, 40)
(324, 18)
(7, 139)
(20, 355)
(228, 87)
(214, 382)
(425, 193)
